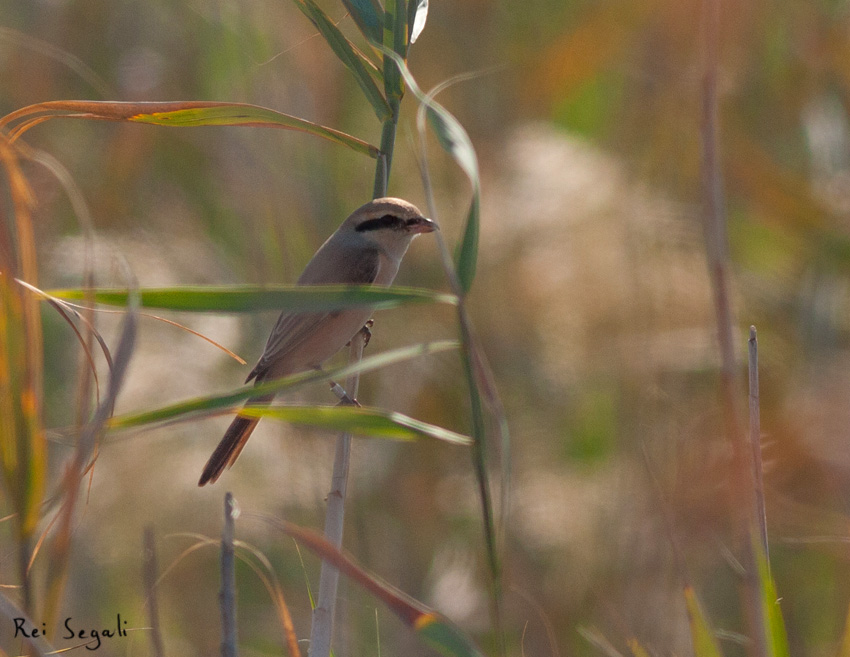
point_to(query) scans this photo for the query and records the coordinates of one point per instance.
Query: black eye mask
(387, 221)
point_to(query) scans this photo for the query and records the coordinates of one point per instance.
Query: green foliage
(179, 114)
(243, 298)
(364, 421)
(369, 17)
(445, 638)
(612, 286)
(776, 638)
(348, 55)
(394, 41)
(456, 142)
(23, 451)
(702, 636)
(211, 403)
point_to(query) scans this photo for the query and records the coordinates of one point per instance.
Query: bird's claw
(367, 333)
(342, 395)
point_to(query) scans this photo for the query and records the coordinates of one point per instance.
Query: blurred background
(592, 301)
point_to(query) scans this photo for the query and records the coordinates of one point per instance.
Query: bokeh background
(592, 302)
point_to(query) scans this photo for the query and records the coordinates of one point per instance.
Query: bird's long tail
(231, 444)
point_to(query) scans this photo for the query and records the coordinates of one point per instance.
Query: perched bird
(365, 250)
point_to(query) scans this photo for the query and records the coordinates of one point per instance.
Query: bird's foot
(367, 333)
(342, 395)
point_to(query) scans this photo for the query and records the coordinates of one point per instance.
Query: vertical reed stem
(149, 573)
(717, 252)
(321, 632)
(227, 596)
(755, 440)
(323, 615)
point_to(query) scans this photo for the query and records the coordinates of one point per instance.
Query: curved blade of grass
(65, 311)
(479, 459)
(368, 15)
(347, 55)
(46, 49)
(430, 627)
(466, 255)
(266, 574)
(268, 578)
(85, 448)
(242, 298)
(704, 643)
(365, 421)
(186, 114)
(456, 142)
(65, 306)
(217, 403)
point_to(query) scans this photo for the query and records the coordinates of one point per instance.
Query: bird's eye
(387, 221)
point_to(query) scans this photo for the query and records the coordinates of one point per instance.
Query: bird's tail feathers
(231, 444)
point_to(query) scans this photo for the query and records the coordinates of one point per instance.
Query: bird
(366, 249)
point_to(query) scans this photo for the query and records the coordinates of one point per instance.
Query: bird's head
(390, 222)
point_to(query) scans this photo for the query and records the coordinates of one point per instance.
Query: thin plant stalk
(84, 452)
(755, 440)
(321, 630)
(717, 252)
(323, 615)
(478, 454)
(227, 596)
(149, 575)
(385, 159)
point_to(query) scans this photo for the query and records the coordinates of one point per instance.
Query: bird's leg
(337, 389)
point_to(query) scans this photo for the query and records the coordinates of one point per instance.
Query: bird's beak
(422, 225)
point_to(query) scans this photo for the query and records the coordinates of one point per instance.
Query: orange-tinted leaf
(22, 442)
(432, 628)
(184, 114)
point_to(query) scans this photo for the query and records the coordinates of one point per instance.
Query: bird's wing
(335, 267)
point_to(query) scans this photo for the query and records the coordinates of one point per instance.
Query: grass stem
(755, 440)
(149, 574)
(321, 631)
(323, 615)
(717, 251)
(227, 596)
